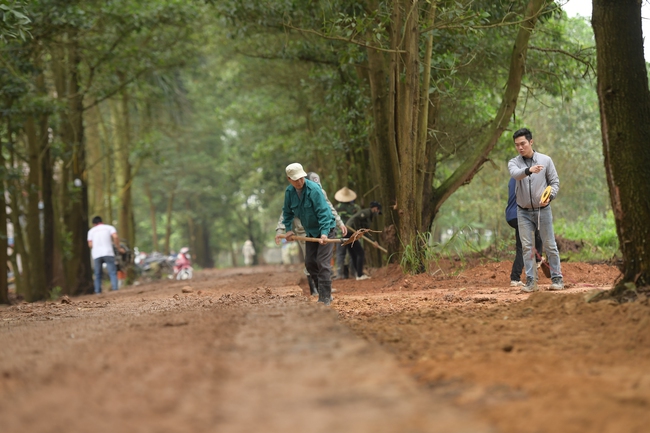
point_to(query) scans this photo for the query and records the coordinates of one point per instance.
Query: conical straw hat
(345, 195)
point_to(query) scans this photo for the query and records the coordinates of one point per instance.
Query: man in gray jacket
(533, 172)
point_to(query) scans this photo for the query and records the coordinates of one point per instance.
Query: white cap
(295, 171)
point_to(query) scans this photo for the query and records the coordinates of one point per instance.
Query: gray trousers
(318, 259)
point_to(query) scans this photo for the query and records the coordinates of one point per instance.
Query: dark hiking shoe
(530, 287)
(558, 284)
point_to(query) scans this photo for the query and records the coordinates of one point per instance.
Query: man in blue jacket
(533, 172)
(305, 199)
(511, 218)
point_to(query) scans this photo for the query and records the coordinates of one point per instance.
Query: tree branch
(124, 84)
(566, 53)
(116, 90)
(502, 23)
(302, 57)
(338, 38)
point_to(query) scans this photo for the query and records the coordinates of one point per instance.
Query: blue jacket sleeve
(511, 208)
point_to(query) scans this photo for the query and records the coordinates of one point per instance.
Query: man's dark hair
(97, 220)
(525, 132)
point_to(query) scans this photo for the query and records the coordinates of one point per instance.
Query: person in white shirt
(248, 250)
(101, 238)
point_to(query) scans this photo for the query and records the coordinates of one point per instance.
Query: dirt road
(241, 353)
(245, 350)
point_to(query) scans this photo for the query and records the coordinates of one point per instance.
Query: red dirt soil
(247, 350)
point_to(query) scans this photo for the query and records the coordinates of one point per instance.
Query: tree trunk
(191, 232)
(125, 217)
(383, 150)
(201, 244)
(49, 229)
(208, 260)
(107, 178)
(409, 205)
(95, 163)
(36, 290)
(624, 110)
(60, 253)
(234, 252)
(20, 251)
(47, 199)
(4, 286)
(168, 225)
(66, 59)
(152, 215)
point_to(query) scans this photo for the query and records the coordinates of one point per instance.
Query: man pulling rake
(305, 199)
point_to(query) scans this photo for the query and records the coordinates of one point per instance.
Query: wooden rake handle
(305, 238)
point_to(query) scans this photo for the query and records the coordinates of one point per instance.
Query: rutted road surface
(244, 351)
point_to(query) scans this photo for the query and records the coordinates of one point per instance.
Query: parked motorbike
(183, 267)
(154, 265)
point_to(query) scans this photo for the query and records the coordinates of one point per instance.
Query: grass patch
(424, 254)
(598, 234)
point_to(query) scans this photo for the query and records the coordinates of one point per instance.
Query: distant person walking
(511, 218)
(361, 220)
(305, 199)
(101, 239)
(248, 250)
(533, 172)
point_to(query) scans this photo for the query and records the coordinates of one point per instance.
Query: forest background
(174, 120)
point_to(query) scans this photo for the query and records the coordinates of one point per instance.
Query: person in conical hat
(358, 221)
(345, 195)
(346, 208)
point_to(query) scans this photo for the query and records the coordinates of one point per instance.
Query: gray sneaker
(531, 286)
(515, 283)
(557, 284)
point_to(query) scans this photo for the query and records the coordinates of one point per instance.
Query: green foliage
(223, 95)
(424, 254)
(411, 257)
(14, 23)
(297, 97)
(56, 293)
(597, 232)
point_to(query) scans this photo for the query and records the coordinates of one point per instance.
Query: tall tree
(406, 109)
(4, 287)
(443, 81)
(67, 77)
(624, 111)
